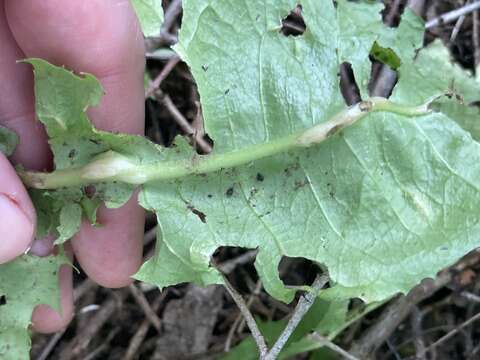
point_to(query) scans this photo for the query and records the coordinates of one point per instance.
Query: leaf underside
(8, 141)
(17, 279)
(382, 204)
(150, 15)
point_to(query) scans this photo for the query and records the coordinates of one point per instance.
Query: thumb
(17, 215)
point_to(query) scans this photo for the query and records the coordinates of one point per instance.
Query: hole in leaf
(392, 13)
(348, 85)
(3, 300)
(90, 191)
(384, 76)
(293, 24)
(206, 147)
(297, 271)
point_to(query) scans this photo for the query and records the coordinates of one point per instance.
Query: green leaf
(62, 99)
(8, 141)
(70, 220)
(150, 15)
(24, 283)
(384, 204)
(390, 193)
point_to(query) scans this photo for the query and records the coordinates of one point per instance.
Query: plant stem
(304, 304)
(251, 323)
(112, 166)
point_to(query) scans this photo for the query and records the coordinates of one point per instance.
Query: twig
(394, 12)
(451, 333)
(255, 294)
(453, 15)
(147, 309)
(50, 345)
(142, 330)
(476, 39)
(80, 343)
(416, 322)
(456, 28)
(252, 325)
(304, 304)
(332, 346)
(468, 295)
(94, 354)
(239, 322)
(417, 6)
(85, 287)
(228, 266)
(155, 84)
(183, 123)
(171, 14)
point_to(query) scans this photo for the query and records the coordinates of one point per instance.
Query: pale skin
(101, 37)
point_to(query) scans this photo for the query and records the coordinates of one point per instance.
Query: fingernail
(16, 229)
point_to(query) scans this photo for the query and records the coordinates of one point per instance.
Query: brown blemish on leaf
(201, 215)
(229, 192)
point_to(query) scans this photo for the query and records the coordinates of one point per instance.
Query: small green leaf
(25, 283)
(70, 221)
(8, 141)
(386, 56)
(150, 15)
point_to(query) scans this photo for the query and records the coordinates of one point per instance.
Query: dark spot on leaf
(209, 196)
(227, 91)
(300, 183)
(290, 168)
(3, 300)
(267, 213)
(293, 24)
(89, 191)
(260, 177)
(229, 192)
(205, 67)
(201, 215)
(72, 153)
(332, 194)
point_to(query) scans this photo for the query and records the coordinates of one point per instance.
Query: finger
(17, 216)
(44, 318)
(16, 102)
(101, 37)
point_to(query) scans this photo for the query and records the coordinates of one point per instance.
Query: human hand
(101, 37)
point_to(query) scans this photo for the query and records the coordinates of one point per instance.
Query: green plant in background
(382, 194)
